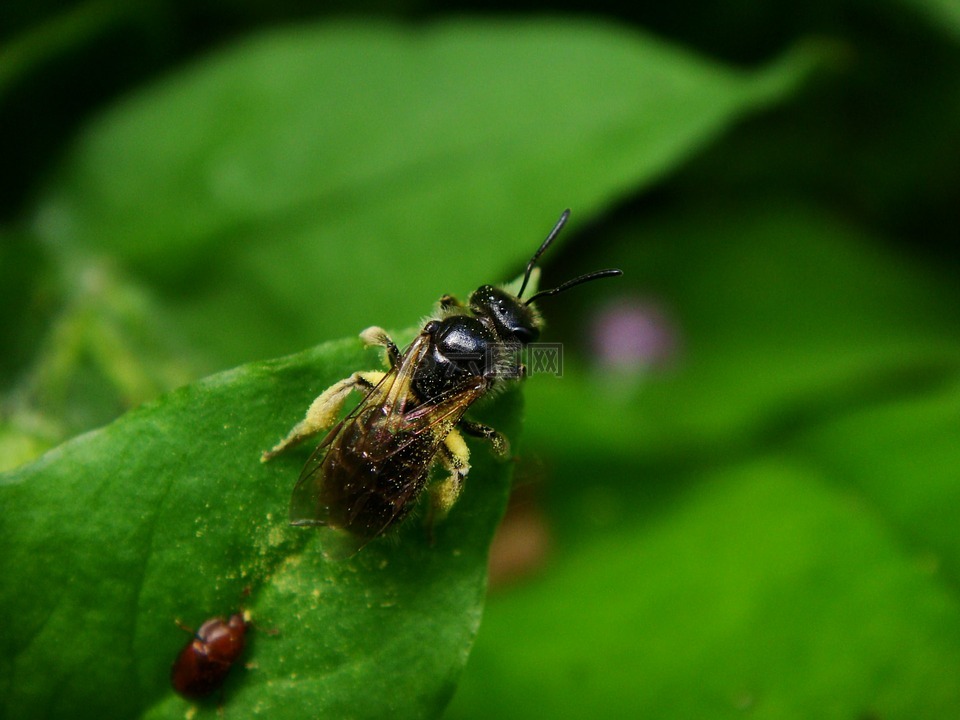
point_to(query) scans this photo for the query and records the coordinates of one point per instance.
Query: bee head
(515, 318)
(512, 318)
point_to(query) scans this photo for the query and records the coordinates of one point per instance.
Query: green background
(750, 513)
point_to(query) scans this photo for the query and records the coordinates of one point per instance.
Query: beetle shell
(202, 666)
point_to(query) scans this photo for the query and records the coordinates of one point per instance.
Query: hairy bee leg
(378, 336)
(497, 440)
(455, 456)
(323, 411)
(449, 301)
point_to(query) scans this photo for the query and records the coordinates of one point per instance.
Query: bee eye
(525, 335)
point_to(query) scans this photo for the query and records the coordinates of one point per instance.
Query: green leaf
(944, 14)
(766, 524)
(784, 314)
(259, 189)
(761, 589)
(902, 456)
(168, 514)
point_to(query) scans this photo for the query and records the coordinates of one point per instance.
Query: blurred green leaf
(91, 344)
(783, 314)
(767, 523)
(903, 458)
(697, 614)
(168, 514)
(263, 188)
(944, 14)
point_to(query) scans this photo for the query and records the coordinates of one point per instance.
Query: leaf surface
(262, 189)
(168, 514)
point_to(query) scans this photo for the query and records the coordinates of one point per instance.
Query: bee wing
(447, 408)
(387, 397)
(383, 430)
(422, 440)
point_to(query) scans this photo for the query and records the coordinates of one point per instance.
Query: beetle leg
(499, 442)
(323, 411)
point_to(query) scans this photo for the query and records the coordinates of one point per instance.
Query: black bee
(371, 467)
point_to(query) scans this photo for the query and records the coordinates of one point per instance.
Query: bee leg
(446, 302)
(378, 336)
(455, 456)
(499, 442)
(323, 411)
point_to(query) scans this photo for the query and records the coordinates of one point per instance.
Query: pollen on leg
(459, 452)
(323, 411)
(455, 456)
(497, 440)
(377, 336)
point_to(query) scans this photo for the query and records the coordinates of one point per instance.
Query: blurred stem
(102, 355)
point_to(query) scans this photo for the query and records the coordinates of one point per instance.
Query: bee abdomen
(366, 496)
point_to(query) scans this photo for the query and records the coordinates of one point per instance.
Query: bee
(371, 467)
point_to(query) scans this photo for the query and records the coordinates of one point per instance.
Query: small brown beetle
(202, 666)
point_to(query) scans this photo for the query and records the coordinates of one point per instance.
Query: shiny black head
(512, 317)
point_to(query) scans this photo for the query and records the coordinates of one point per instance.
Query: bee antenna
(576, 281)
(546, 243)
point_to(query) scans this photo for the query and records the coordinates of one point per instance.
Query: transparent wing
(370, 468)
(388, 397)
